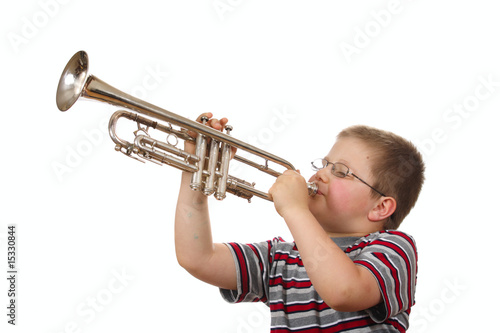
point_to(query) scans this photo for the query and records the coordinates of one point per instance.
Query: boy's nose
(323, 175)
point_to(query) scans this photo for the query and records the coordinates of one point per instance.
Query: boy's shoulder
(388, 235)
(377, 241)
(383, 235)
(385, 239)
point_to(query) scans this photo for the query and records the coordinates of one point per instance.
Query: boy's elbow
(182, 261)
(343, 306)
(197, 266)
(350, 300)
(190, 265)
(340, 300)
(188, 268)
(358, 293)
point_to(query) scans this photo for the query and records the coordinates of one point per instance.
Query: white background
(404, 66)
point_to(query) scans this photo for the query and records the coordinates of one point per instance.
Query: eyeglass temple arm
(373, 188)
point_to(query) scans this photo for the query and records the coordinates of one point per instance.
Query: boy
(348, 269)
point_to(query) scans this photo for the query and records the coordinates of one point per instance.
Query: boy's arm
(195, 250)
(343, 285)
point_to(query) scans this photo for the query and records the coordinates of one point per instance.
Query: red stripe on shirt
(243, 271)
(278, 280)
(395, 277)
(338, 327)
(381, 283)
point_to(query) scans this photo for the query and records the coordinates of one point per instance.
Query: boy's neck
(340, 234)
(352, 234)
(360, 231)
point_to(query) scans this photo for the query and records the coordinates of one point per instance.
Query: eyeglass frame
(349, 172)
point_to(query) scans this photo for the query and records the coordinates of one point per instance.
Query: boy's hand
(289, 193)
(218, 124)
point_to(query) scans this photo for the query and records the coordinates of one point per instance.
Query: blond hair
(397, 168)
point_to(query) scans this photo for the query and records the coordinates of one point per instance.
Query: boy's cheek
(338, 192)
(340, 198)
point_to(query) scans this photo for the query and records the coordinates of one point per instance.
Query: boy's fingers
(209, 115)
(215, 123)
(206, 114)
(223, 122)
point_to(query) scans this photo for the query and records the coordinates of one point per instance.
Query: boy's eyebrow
(347, 164)
(341, 160)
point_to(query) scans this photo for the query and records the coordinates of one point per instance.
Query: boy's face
(342, 204)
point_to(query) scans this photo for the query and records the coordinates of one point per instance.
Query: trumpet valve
(220, 193)
(201, 150)
(213, 159)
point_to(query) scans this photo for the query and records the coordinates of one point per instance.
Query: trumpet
(209, 164)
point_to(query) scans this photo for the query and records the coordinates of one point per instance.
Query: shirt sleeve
(392, 259)
(252, 270)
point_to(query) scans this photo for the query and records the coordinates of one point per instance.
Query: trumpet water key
(209, 164)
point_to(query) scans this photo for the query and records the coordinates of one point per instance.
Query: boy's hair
(397, 167)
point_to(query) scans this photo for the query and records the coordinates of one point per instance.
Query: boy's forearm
(195, 250)
(333, 274)
(324, 261)
(193, 236)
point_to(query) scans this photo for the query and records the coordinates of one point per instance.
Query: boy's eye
(339, 173)
(340, 170)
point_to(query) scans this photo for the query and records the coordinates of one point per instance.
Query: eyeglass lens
(338, 169)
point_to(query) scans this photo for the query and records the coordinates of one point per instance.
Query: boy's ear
(384, 208)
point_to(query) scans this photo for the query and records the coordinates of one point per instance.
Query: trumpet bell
(72, 81)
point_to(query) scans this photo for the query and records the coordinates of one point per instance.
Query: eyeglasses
(339, 170)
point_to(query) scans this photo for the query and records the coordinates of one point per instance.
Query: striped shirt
(272, 272)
